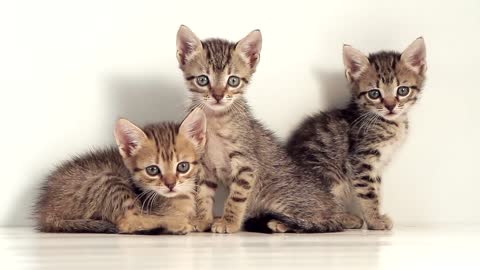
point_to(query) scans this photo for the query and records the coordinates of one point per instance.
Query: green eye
(403, 91)
(183, 167)
(202, 80)
(153, 170)
(374, 94)
(233, 81)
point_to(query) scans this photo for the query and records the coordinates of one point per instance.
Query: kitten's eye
(233, 81)
(153, 170)
(374, 94)
(202, 80)
(403, 91)
(183, 167)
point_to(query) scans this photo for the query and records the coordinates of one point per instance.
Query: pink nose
(390, 107)
(217, 97)
(170, 185)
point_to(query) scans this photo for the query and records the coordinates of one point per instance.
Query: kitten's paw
(382, 222)
(223, 226)
(276, 226)
(201, 225)
(180, 228)
(129, 227)
(350, 221)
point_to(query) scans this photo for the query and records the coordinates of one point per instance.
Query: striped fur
(241, 153)
(348, 149)
(103, 192)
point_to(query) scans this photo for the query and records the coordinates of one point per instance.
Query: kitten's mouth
(167, 192)
(170, 193)
(391, 115)
(217, 106)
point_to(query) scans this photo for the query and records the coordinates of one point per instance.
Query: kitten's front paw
(126, 228)
(382, 222)
(201, 225)
(223, 226)
(180, 227)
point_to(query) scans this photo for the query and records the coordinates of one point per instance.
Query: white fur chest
(217, 151)
(388, 148)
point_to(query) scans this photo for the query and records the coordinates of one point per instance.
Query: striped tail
(79, 226)
(260, 223)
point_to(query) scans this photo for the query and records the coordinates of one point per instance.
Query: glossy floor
(405, 248)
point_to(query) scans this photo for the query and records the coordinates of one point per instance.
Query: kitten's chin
(390, 116)
(393, 116)
(216, 108)
(169, 194)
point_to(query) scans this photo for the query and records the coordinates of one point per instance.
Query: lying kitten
(266, 188)
(148, 183)
(348, 149)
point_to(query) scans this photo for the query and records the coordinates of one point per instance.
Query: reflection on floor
(454, 247)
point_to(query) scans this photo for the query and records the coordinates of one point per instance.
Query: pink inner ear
(196, 131)
(184, 51)
(128, 144)
(186, 48)
(129, 147)
(253, 59)
(416, 60)
(354, 67)
(252, 53)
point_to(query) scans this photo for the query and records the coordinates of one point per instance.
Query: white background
(68, 69)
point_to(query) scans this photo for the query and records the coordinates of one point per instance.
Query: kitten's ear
(187, 44)
(129, 138)
(355, 62)
(250, 46)
(194, 128)
(415, 55)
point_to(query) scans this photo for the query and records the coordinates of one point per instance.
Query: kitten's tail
(264, 222)
(79, 226)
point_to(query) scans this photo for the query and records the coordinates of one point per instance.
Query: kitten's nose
(170, 185)
(169, 182)
(390, 106)
(217, 97)
(390, 103)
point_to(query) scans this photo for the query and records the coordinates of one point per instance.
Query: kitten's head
(163, 157)
(217, 71)
(386, 83)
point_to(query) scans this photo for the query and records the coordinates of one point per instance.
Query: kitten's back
(72, 183)
(322, 141)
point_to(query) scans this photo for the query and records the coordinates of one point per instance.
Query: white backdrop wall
(68, 69)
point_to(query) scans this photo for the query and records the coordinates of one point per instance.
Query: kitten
(266, 189)
(148, 183)
(349, 148)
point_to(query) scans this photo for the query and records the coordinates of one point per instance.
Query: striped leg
(236, 203)
(367, 191)
(205, 200)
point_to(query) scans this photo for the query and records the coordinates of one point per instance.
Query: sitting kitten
(349, 148)
(266, 188)
(147, 184)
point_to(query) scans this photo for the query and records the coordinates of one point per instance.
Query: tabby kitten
(349, 148)
(147, 184)
(266, 188)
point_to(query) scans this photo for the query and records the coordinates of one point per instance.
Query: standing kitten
(349, 148)
(148, 183)
(265, 186)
